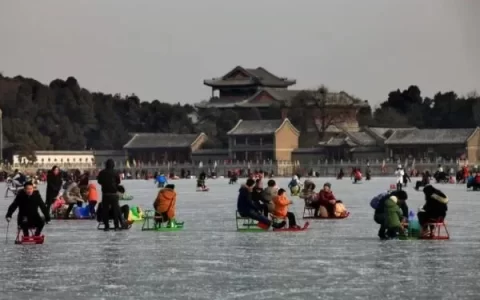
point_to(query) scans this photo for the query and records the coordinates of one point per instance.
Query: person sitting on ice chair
(28, 201)
(165, 205)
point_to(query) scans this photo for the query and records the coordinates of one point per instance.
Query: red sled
(29, 240)
(305, 227)
(346, 215)
(203, 189)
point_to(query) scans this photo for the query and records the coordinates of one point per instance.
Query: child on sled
(165, 206)
(281, 209)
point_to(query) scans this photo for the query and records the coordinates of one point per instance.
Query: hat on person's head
(402, 195)
(428, 189)
(170, 186)
(327, 184)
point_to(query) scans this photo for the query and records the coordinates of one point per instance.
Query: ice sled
(151, 222)
(29, 240)
(246, 224)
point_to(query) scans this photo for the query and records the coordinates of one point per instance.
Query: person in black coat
(54, 185)
(109, 180)
(435, 208)
(257, 197)
(28, 201)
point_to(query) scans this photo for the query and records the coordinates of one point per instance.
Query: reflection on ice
(209, 260)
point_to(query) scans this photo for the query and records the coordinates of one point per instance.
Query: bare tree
(314, 106)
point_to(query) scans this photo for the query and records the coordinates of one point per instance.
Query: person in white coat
(399, 173)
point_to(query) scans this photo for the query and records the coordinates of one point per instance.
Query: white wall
(59, 158)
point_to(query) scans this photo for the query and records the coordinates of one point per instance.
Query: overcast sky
(164, 49)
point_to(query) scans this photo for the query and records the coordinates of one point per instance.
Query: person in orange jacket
(281, 208)
(165, 204)
(92, 197)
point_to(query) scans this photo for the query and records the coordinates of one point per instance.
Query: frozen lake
(209, 259)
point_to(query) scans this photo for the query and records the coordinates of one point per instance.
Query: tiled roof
(252, 127)
(283, 96)
(430, 136)
(384, 133)
(362, 138)
(258, 76)
(161, 140)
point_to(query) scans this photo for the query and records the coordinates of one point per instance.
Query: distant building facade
(243, 89)
(163, 147)
(264, 140)
(70, 159)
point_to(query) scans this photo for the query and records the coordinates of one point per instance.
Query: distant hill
(64, 116)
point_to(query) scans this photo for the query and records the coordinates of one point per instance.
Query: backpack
(375, 202)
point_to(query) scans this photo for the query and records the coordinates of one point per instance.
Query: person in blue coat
(161, 180)
(248, 209)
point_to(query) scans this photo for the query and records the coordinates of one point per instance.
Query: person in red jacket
(327, 199)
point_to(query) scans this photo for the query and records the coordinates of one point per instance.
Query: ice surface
(210, 260)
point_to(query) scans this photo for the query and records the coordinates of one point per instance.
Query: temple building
(243, 90)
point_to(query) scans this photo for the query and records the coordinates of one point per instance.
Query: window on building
(80, 160)
(42, 160)
(68, 159)
(48, 159)
(54, 160)
(61, 160)
(73, 159)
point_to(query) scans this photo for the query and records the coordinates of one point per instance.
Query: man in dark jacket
(109, 180)
(54, 185)
(28, 201)
(247, 208)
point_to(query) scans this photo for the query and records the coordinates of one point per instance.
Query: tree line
(65, 116)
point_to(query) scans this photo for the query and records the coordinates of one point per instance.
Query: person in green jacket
(393, 217)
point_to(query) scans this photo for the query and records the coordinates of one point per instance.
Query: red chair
(436, 232)
(28, 240)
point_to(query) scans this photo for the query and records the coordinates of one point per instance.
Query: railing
(280, 168)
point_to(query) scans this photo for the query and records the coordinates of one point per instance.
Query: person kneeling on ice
(72, 196)
(161, 180)
(28, 201)
(247, 208)
(165, 205)
(435, 208)
(281, 209)
(378, 203)
(294, 185)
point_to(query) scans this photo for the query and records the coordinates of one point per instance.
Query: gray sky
(164, 49)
